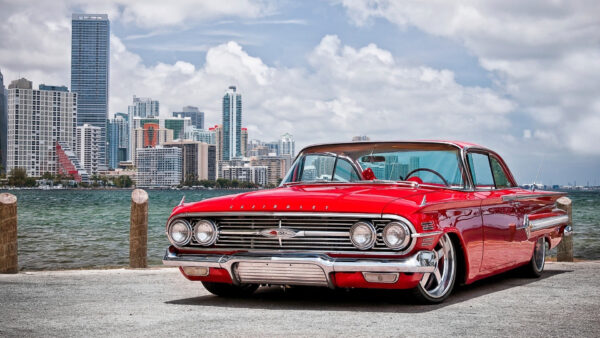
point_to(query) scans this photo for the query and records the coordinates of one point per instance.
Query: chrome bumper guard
(421, 262)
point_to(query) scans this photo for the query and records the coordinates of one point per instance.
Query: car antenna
(538, 172)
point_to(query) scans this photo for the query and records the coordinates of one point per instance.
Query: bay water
(66, 229)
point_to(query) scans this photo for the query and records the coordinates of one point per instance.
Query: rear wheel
(435, 287)
(538, 259)
(230, 290)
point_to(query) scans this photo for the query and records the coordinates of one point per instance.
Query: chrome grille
(280, 273)
(317, 233)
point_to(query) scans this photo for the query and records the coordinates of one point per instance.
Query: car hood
(334, 198)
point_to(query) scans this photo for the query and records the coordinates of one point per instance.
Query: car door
(499, 217)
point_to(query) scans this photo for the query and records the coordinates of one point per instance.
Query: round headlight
(396, 235)
(180, 232)
(205, 232)
(363, 235)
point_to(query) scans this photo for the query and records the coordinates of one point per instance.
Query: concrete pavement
(160, 302)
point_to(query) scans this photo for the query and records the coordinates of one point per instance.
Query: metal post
(8, 234)
(138, 231)
(565, 248)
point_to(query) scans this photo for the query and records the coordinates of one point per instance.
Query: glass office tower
(232, 125)
(90, 55)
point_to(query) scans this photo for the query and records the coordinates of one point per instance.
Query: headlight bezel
(371, 243)
(212, 238)
(188, 237)
(407, 235)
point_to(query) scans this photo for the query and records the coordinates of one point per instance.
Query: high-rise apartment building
(257, 175)
(244, 141)
(36, 121)
(178, 125)
(143, 107)
(90, 58)
(287, 145)
(158, 167)
(87, 147)
(118, 139)
(232, 125)
(3, 125)
(193, 113)
(201, 135)
(277, 167)
(198, 161)
(150, 136)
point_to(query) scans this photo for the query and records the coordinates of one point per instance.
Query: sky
(519, 77)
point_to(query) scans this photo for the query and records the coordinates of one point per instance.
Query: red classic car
(393, 215)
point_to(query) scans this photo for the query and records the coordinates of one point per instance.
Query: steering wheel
(428, 170)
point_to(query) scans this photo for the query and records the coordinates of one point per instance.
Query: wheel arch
(462, 268)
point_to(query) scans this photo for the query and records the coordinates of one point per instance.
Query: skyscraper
(87, 148)
(192, 112)
(3, 125)
(143, 107)
(90, 57)
(37, 120)
(232, 125)
(118, 139)
(287, 145)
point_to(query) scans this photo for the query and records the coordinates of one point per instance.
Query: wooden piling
(138, 231)
(565, 248)
(8, 234)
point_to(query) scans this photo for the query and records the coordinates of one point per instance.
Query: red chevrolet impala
(391, 215)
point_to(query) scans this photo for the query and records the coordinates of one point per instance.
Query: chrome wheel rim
(437, 283)
(539, 254)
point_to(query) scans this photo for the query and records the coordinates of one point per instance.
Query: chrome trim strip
(548, 222)
(426, 234)
(530, 196)
(307, 233)
(421, 262)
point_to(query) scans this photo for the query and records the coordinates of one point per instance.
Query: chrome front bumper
(295, 265)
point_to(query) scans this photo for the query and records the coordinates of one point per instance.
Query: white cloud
(545, 54)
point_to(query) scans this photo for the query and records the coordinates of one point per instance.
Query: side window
(499, 174)
(481, 171)
(344, 172)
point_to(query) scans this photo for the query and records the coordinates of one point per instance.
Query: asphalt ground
(565, 301)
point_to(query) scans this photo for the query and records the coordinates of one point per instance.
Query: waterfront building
(194, 114)
(151, 135)
(198, 160)
(36, 120)
(68, 163)
(158, 167)
(118, 139)
(253, 174)
(90, 58)
(277, 166)
(360, 138)
(3, 125)
(88, 147)
(143, 107)
(287, 145)
(232, 125)
(177, 124)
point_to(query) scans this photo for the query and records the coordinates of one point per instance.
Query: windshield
(422, 163)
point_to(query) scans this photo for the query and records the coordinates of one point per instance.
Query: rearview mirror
(372, 159)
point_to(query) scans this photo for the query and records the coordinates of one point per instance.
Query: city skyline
(329, 71)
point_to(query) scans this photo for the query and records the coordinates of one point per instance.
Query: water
(65, 229)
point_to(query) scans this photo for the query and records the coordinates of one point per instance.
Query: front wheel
(538, 259)
(435, 287)
(229, 290)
